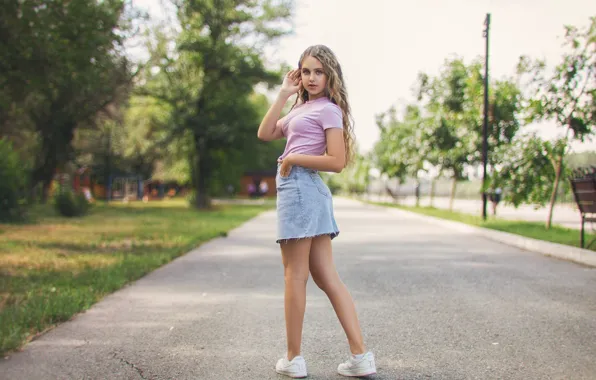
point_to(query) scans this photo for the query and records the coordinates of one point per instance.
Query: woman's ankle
(291, 355)
(357, 349)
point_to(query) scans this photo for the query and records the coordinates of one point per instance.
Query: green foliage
(527, 171)
(566, 96)
(404, 144)
(333, 182)
(66, 82)
(450, 116)
(191, 198)
(453, 108)
(61, 64)
(354, 179)
(207, 86)
(12, 184)
(505, 121)
(71, 204)
(447, 132)
(444, 130)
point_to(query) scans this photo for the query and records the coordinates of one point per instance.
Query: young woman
(319, 138)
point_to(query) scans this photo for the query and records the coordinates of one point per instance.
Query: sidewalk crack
(132, 365)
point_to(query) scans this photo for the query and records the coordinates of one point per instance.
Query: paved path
(434, 304)
(564, 214)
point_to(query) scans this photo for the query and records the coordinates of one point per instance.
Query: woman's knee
(295, 275)
(325, 281)
(320, 283)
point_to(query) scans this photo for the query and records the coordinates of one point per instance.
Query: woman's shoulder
(330, 108)
(331, 115)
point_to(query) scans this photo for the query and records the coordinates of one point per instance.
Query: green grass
(536, 230)
(56, 267)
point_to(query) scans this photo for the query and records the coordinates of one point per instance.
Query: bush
(70, 204)
(12, 184)
(191, 198)
(332, 182)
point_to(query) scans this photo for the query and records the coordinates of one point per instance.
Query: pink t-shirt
(305, 126)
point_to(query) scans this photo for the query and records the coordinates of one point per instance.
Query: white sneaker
(358, 367)
(295, 368)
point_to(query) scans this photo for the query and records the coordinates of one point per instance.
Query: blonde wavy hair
(335, 91)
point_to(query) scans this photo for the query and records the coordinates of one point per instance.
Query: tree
(527, 170)
(123, 140)
(63, 65)
(165, 90)
(567, 96)
(452, 112)
(444, 129)
(388, 157)
(403, 145)
(224, 39)
(451, 115)
(172, 84)
(354, 179)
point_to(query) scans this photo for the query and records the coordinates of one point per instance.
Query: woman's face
(314, 79)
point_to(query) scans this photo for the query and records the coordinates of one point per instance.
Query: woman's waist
(298, 172)
(298, 169)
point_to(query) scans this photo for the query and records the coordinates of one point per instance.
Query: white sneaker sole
(292, 375)
(358, 374)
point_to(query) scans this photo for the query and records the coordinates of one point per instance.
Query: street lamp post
(485, 123)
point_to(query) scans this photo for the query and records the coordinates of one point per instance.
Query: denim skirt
(304, 206)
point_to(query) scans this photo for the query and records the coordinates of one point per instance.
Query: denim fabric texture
(304, 206)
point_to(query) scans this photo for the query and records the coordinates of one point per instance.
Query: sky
(382, 45)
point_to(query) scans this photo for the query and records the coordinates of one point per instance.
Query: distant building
(253, 183)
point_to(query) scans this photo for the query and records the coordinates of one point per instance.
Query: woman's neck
(315, 97)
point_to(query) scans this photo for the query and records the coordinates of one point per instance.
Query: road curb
(566, 252)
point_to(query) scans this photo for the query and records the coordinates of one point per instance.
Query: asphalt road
(433, 303)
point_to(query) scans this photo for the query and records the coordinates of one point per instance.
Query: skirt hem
(285, 240)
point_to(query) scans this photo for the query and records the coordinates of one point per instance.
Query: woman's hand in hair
(291, 83)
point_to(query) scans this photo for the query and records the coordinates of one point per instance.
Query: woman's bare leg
(295, 259)
(326, 277)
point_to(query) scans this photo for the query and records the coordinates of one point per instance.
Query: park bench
(584, 191)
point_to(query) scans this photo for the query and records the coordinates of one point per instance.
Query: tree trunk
(108, 166)
(43, 176)
(417, 193)
(45, 194)
(202, 200)
(55, 152)
(31, 194)
(200, 175)
(452, 196)
(432, 193)
(553, 197)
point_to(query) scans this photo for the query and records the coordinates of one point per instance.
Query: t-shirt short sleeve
(331, 117)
